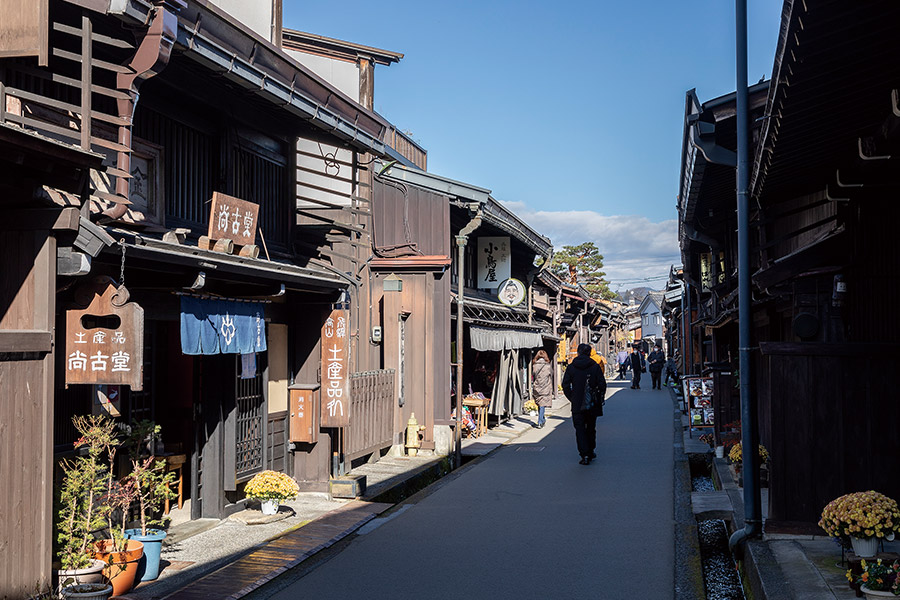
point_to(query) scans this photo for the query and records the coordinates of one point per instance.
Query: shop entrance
(230, 433)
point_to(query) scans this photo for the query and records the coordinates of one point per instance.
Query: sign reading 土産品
(335, 365)
(233, 219)
(105, 340)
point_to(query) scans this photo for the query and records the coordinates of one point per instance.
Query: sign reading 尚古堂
(494, 264)
(335, 370)
(105, 341)
(233, 219)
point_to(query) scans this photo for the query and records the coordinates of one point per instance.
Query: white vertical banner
(494, 262)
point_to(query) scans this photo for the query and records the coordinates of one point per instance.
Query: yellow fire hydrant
(412, 435)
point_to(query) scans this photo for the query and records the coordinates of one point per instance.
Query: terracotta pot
(91, 574)
(121, 566)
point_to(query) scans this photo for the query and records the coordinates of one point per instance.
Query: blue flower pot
(148, 567)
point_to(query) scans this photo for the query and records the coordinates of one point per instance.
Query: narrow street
(528, 521)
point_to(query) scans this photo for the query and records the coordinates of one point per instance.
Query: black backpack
(588, 402)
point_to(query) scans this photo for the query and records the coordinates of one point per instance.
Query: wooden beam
(25, 340)
(25, 219)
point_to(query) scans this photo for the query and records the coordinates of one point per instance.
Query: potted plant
(80, 511)
(152, 487)
(87, 591)
(864, 518)
(531, 408)
(270, 488)
(120, 554)
(878, 579)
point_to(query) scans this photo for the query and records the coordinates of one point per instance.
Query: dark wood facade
(822, 252)
(32, 234)
(71, 156)
(412, 294)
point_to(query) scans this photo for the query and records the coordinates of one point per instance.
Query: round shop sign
(511, 292)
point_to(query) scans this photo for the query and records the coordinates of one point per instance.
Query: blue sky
(570, 112)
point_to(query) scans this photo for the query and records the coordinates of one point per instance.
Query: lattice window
(249, 432)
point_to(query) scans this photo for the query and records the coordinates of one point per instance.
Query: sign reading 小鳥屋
(233, 219)
(335, 364)
(494, 263)
(105, 341)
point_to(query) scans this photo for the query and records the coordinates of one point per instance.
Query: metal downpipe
(461, 240)
(749, 436)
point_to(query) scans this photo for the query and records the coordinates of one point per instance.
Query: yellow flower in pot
(270, 488)
(864, 518)
(737, 456)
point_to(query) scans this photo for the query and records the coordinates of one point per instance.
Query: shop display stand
(698, 403)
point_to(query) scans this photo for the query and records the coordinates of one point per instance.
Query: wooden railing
(371, 413)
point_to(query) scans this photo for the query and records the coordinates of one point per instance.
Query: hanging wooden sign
(335, 366)
(304, 413)
(233, 219)
(105, 340)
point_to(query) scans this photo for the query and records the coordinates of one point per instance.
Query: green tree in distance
(582, 264)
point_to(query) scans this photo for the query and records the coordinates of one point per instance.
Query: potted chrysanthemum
(737, 456)
(270, 488)
(864, 518)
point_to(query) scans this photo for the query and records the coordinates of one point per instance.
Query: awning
(486, 339)
(221, 327)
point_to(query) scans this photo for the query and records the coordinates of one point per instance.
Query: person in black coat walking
(582, 371)
(657, 360)
(638, 366)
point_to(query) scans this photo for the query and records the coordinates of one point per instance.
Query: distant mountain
(637, 293)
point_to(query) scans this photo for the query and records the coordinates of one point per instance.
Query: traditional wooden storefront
(194, 155)
(499, 252)
(822, 255)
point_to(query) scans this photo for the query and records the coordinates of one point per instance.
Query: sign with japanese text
(304, 413)
(335, 370)
(105, 341)
(494, 263)
(233, 219)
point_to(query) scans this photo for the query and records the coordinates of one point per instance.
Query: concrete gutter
(688, 568)
(760, 569)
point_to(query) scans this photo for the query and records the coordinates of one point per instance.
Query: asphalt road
(527, 521)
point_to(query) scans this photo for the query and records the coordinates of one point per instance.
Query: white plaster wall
(325, 173)
(341, 74)
(255, 14)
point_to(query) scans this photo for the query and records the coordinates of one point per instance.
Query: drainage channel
(720, 574)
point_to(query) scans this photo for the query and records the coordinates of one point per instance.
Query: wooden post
(86, 81)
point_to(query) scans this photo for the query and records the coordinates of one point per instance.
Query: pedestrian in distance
(621, 358)
(657, 360)
(585, 387)
(638, 366)
(599, 359)
(671, 369)
(542, 385)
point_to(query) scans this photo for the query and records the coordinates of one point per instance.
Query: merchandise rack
(698, 402)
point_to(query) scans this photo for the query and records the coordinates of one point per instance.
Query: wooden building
(499, 334)
(135, 134)
(38, 242)
(823, 260)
